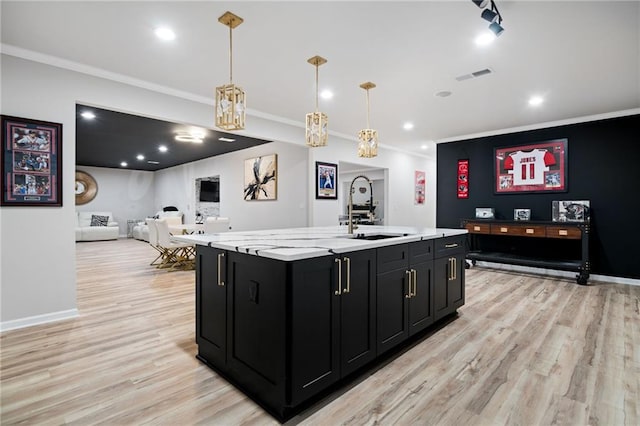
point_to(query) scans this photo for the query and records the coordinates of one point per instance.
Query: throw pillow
(97, 220)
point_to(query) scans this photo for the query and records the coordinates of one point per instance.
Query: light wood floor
(524, 350)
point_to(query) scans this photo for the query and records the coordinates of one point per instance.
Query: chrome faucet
(350, 225)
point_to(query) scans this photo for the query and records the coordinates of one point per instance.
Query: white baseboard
(557, 273)
(38, 319)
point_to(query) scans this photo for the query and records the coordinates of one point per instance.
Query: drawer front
(532, 231)
(449, 245)
(420, 251)
(568, 232)
(393, 257)
(505, 229)
(478, 228)
(520, 230)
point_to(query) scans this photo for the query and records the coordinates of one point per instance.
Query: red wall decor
(463, 178)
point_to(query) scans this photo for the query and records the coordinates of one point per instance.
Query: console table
(553, 245)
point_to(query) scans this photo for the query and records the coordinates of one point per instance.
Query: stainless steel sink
(375, 236)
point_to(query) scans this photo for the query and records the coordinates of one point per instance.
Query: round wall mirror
(86, 188)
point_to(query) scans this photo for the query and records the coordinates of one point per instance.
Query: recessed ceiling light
(153, 162)
(485, 39)
(407, 126)
(443, 93)
(165, 33)
(226, 140)
(162, 148)
(424, 146)
(535, 100)
(140, 157)
(88, 115)
(326, 94)
(124, 164)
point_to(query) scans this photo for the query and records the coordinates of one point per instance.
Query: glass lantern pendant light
(367, 138)
(316, 127)
(230, 99)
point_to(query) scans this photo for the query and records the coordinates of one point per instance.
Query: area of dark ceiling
(113, 137)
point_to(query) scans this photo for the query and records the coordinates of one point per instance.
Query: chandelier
(367, 138)
(316, 127)
(230, 99)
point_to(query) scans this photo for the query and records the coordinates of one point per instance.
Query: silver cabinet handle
(338, 292)
(348, 262)
(220, 282)
(451, 245)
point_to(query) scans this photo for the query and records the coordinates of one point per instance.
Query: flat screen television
(210, 191)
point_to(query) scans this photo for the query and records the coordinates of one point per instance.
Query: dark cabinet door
(448, 285)
(211, 302)
(357, 310)
(392, 308)
(421, 301)
(256, 324)
(315, 326)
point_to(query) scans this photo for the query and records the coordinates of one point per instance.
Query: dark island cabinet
(211, 304)
(333, 320)
(449, 275)
(285, 331)
(404, 292)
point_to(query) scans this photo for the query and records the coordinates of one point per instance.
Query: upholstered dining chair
(178, 255)
(214, 225)
(153, 241)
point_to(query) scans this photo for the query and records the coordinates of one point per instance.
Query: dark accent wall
(603, 167)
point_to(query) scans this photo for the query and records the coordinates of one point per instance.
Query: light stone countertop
(304, 243)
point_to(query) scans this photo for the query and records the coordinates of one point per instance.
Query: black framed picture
(31, 162)
(326, 181)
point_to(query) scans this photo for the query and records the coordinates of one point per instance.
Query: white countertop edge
(305, 243)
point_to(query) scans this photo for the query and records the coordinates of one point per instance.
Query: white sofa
(86, 232)
(140, 231)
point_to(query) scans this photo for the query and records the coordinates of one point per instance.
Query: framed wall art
(463, 179)
(326, 181)
(261, 178)
(420, 187)
(31, 162)
(540, 167)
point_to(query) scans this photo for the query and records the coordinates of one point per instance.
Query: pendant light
(316, 127)
(230, 99)
(367, 138)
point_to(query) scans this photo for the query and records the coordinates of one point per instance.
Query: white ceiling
(583, 57)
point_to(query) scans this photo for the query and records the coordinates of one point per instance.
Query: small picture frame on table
(570, 211)
(485, 213)
(521, 214)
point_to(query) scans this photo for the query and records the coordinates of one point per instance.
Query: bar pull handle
(414, 273)
(408, 295)
(348, 262)
(220, 282)
(451, 245)
(338, 292)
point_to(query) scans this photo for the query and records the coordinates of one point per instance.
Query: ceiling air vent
(474, 74)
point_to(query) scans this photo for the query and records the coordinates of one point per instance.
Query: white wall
(47, 291)
(401, 166)
(176, 185)
(128, 194)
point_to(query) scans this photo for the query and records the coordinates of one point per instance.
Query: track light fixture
(491, 14)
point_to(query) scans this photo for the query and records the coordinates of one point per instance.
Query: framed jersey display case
(540, 167)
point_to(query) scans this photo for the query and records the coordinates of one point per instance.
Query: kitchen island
(289, 314)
